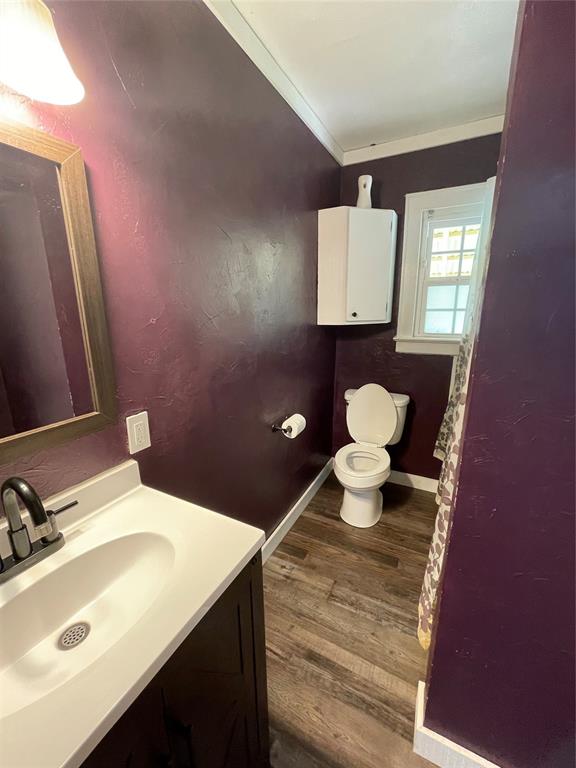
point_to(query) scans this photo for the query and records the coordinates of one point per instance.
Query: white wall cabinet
(356, 255)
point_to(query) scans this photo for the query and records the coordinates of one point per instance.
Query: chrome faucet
(13, 489)
(26, 553)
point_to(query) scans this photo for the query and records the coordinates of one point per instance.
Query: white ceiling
(376, 71)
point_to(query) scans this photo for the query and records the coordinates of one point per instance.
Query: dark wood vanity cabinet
(206, 707)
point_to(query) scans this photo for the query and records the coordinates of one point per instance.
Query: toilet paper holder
(290, 426)
(280, 428)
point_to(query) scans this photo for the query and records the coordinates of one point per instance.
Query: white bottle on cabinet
(356, 255)
(364, 192)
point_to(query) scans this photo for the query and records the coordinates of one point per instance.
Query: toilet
(375, 419)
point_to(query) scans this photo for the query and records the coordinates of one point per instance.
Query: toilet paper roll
(294, 425)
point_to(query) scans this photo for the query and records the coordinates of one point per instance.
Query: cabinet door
(214, 684)
(370, 266)
(138, 739)
(206, 708)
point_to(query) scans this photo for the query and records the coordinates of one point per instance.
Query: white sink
(139, 569)
(108, 588)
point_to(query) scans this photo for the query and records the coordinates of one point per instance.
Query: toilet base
(362, 509)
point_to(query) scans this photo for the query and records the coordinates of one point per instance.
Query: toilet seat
(372, 416)
(361, 466)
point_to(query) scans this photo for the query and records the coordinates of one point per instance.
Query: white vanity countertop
(143, 568)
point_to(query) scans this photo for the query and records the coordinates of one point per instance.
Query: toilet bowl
(375, 418)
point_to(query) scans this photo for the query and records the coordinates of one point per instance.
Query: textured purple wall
(204, 187)
(367, 353)
(502, 674)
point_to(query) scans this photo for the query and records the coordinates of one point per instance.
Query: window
(441, 261)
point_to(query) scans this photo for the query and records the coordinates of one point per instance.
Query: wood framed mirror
(56, 372)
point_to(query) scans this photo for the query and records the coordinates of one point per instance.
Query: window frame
(451, 203)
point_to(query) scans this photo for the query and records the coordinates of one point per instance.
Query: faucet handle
(53, 533)
(63, 508)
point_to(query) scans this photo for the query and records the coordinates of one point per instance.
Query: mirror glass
(44, 375)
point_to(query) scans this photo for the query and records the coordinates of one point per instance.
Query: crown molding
(236, 25)
(240, 30)
(462, 132)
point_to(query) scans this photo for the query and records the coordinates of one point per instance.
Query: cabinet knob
(354, 314)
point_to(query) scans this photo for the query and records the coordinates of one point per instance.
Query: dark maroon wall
(205, 187)
(367, 353)
(502, 675)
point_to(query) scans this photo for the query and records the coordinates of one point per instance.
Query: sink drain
(73, 635)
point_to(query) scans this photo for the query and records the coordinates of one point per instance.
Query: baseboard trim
(438, 749)
(413, 481)
(288, 521)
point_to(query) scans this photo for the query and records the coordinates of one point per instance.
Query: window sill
(420, 346)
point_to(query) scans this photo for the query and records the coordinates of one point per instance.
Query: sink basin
(139, 569)
(106, 589)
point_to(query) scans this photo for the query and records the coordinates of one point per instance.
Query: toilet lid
(371, 416)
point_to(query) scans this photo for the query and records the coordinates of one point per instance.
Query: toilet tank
(401, 403)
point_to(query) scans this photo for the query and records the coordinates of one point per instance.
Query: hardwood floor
(341, 613)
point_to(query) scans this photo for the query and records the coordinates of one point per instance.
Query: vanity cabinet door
(214, 684)
(207, 707)
(138, 740)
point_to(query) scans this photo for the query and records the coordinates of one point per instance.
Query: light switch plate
(138, 432)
